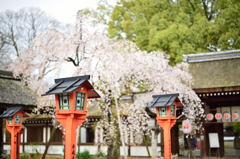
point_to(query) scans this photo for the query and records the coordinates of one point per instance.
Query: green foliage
(30, 156)
(84, 155)
(100, 155)
(36, 156)
(25, 156)
(5, 156)
(177, 27)
(236, 128)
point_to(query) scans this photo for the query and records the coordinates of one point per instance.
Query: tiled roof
(163, 100)
(10, 112)
(215, 69)
(70, 84)
(212, 56)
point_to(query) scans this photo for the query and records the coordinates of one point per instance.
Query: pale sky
(62, 10)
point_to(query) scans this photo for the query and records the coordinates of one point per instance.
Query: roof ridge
(165, 95)
(72, 78)
(212, 56)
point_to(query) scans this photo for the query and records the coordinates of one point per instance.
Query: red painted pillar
(167, 123)
(15, 141)
(14, 129)
(71, 95)
(167, 139)
(70, 150)
(70, 123)
(13, 144)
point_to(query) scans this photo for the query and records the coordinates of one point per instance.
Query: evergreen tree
(177, 27)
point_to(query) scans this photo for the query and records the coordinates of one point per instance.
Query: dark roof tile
(163, 100)
(10, 112)
(70, 84)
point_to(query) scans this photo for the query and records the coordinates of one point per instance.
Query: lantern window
(172, 110)
(162, 111)
(9, 120)
(64, 101)
(80, 98)
(17, 119)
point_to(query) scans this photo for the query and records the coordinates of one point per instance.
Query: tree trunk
(154, 144)
(120, 128)
(49, 142)
(110, 151)
(146, 145)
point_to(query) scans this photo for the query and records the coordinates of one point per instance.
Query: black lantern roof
(10, 112)
(70, 84)
(163, 100)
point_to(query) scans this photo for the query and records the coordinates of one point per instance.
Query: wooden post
(154, 144)
(15, 131)
(70, 123)
(167, 123)
(15, 142)
(166, 106)
(71, 95)
(202, 146)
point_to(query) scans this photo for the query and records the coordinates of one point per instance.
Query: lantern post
(166, 106)
(71, 97)
(14, 118)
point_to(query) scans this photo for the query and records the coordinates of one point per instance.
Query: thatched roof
(13, 92)
(216, 69)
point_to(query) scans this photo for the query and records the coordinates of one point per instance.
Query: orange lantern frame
(66, 90)
(15, 128)
(167, 119)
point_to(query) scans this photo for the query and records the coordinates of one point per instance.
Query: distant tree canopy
(178, 27)
(19, 28)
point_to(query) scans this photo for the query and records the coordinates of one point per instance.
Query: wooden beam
(217, 89)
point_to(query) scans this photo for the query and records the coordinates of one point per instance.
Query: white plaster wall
(7, 148)
(83, 135)
(58, 149)
(142, 151)
(34, 148)
(93, 149)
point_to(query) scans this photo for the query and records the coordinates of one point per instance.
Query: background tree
(45, 56)
(116, 74)
(118, 68)
(19, 28)
(177, 27)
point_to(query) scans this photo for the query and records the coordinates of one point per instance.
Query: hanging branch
(77, 60)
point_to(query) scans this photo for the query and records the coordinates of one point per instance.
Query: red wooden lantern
(71, 96)
(166, 106)
(14, 118)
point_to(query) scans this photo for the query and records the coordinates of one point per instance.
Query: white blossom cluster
(117, 66)
(49, 111)
(121, 67)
